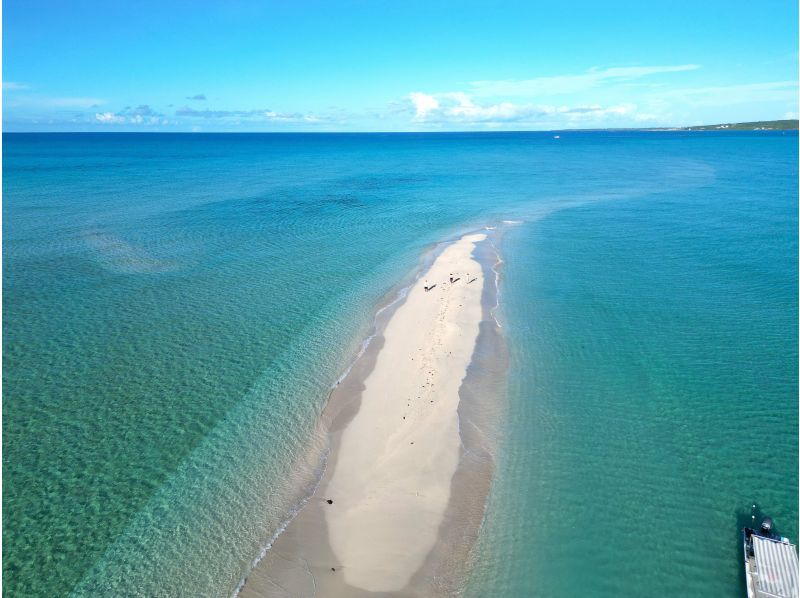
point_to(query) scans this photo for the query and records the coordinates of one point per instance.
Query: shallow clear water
(176, 308)
(653, 388)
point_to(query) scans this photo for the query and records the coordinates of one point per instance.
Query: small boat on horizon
(770, 562)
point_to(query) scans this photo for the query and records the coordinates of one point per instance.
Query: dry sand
(393, 462)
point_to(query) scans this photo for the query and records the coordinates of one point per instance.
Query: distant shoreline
(760, 125)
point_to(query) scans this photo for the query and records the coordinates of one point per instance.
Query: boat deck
(772, 570)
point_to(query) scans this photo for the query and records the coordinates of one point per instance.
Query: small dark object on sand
(329, 501)
(430, 288)
(455, 279)
(471, 281)
(333, 568)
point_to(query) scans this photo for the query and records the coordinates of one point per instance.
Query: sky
(405, 65)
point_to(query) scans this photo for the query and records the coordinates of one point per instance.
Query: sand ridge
(391, 482)
(381, 518)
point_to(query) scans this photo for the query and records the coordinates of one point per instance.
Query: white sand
(391, 482)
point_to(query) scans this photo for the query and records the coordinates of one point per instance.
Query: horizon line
(796, 122)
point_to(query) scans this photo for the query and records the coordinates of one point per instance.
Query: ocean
(176, 309)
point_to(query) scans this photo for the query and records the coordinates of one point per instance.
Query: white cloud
(423, 103)
(142, 114)
(11, 85)
(109, 118)
(461, 108)
(498, 102)
(628, 72)
(254, 115)
(565, 84)
(723, 95)
(597, 98)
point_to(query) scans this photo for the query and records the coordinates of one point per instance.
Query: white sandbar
(391, 480)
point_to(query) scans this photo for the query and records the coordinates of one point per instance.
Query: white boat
(770, 563)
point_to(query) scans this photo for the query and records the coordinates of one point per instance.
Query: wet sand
(377, 521)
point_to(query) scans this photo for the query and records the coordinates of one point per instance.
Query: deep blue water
(176, 307)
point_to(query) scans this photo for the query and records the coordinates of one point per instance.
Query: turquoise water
(176, 307)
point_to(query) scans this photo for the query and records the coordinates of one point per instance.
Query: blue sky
(395, 66)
